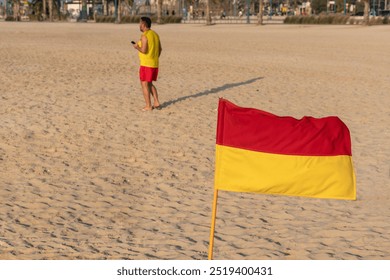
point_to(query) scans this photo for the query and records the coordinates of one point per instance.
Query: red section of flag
(256, 130)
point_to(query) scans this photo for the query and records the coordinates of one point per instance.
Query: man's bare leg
(146, 92)
(156, 102)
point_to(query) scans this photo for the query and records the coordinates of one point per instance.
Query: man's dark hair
(148, 21)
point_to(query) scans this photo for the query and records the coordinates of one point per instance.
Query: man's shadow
(210, 91)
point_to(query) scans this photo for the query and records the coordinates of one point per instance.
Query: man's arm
(144, 45)
(159, 48)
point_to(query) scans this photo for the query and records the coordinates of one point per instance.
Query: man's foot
(146, 109)
(158, 107)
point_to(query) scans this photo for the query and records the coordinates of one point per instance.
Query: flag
(257, 151)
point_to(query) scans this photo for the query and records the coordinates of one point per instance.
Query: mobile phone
(133, 42)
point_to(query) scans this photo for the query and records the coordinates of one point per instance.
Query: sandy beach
(84, 174)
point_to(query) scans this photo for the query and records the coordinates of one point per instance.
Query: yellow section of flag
(243, 170)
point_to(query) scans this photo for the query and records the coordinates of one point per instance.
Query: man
(149, 51)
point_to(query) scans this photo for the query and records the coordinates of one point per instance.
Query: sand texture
(84, 174)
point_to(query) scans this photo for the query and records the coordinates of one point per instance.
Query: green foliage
(325, 19)
(10, 18)
(321, 19)
(340, 19)
(130, 19)
(340, 6)
(136, 19)
(318, 6)
(359, 7)
(376, 21)
(291, 20)
(172, 19)
(105, 19)
(309, 20)
(35, 17)
(333, 19)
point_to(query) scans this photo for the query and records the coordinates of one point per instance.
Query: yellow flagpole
(212, 229)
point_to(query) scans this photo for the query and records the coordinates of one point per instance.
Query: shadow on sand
(210, 91)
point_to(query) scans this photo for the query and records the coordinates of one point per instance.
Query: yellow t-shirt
(150, 59)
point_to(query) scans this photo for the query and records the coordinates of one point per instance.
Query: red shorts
(148, 74)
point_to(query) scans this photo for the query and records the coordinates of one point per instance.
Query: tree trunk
(93, 10)
(260, 15)
(366, 18)
(295, 7)
(208, 16)
(159, 11)
(119, 11)
(84, 10)
(104, 7)
(16, 10)
(44, 10)
(51, 10)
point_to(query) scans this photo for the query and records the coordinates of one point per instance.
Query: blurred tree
(159, 11)
(366, 19)
(260, 15)
(318, 6)
(44, 10)
(208, 16)
(16, 9)
(50, 10)
(83, 9)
